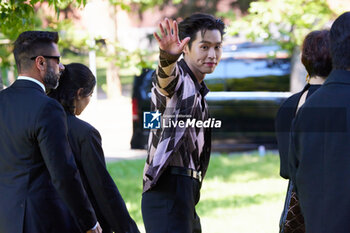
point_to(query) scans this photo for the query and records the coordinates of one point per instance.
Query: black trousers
(169, 207)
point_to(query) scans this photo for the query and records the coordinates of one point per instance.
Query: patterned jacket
(178, 96)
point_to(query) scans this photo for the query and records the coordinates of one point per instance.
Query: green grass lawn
(240, 194)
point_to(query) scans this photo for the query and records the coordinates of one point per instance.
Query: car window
(251, 69)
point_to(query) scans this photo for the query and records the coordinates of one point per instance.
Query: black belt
(182, 171)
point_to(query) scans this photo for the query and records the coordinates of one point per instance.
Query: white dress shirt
(33, 80)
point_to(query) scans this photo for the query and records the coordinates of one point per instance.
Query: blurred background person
(74, 92)
(318, 159)
(317, 61)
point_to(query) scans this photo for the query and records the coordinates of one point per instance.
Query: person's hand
(97, 230)
(169, 40)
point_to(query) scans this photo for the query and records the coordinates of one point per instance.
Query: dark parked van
(246, 90)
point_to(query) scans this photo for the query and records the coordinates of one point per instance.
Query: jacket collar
(33, 80)
(21, 83)
(200, 87)
(338, 76)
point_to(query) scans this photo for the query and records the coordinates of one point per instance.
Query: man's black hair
(199, 22)
(30, 44)
(340, 42)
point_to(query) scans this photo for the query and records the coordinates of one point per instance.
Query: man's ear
(186, 49)
(40, 63)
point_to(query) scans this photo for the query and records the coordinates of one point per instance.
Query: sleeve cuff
(94, 228)
(169, 57)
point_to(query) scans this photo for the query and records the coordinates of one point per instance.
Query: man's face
(51, 77)
(205, 53)
(53, 69)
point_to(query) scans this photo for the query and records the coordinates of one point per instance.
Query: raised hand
(169, 40)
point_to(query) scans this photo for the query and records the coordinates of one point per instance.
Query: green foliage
(17, 16)
(243, 4)
(5, 52)
(284, 21)
(129, 62)
(266, 83)
(134, 61)
(186, 8)
(21, 15)
(141, 5)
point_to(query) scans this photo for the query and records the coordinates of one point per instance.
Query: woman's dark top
(283, 122)
(104, 196)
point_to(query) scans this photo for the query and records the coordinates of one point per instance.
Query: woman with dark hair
(318, 63)
(74, 92)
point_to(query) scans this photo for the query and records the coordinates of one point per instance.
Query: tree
(20, 15)
(17, 16)
(285, 22)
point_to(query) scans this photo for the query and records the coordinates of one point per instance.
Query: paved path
(112, 118)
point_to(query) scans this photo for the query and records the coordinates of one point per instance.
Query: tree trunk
(298, 72)
(101, 20)
(113, 82)
(114, 88)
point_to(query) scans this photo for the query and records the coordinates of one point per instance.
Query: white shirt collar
(33, 80)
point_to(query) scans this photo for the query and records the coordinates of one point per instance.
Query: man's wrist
(171, 58)
(94, 228)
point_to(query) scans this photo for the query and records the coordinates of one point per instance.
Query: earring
(307, 78)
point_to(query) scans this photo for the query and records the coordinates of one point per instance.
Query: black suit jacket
(37, 168)
(109, 205)
(319, 161)
(283, 122)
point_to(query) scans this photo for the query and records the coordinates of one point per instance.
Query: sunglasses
(48, 57)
